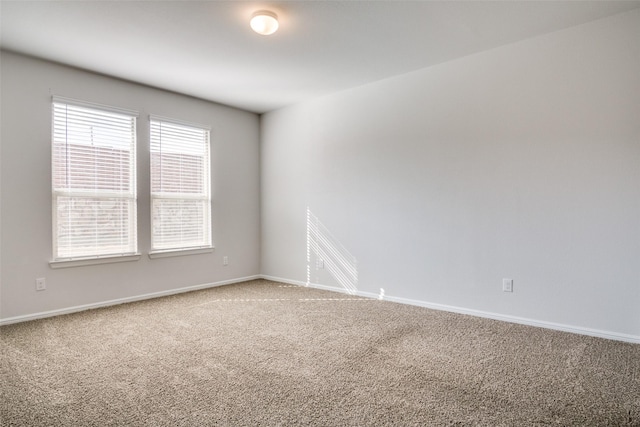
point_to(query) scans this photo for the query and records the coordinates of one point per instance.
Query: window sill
(180, 252)
(79, 262)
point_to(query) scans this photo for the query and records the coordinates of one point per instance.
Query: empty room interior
(320, 213)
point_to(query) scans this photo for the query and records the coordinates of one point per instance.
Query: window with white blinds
(93, 180)
(180, 186)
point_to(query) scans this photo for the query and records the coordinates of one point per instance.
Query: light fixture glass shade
(264, 22)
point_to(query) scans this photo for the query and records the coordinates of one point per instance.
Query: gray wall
(521, 162)
(27, 86)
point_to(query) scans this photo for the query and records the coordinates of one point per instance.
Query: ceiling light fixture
(264, 22)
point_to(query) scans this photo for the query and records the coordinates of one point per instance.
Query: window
(93, 181)
(180, 186)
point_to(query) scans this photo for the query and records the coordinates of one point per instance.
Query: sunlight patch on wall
(329, 254)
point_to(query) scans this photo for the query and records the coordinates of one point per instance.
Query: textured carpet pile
(262, 353)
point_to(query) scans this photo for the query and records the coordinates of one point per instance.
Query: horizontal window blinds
(94, 182)
(180, 186)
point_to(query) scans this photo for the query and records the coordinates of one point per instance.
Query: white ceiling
(206, 48)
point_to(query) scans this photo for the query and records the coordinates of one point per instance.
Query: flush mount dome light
(264, 22)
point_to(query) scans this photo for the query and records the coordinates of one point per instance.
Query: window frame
(99, 257)
(208, 247)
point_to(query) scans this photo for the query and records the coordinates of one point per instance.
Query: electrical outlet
(41, 284)
(507, 285)
(225, 260)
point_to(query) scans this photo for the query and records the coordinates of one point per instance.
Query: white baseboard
(522, 320)
(478, 313)
(51, 313)
(308, 285)
(319, 286)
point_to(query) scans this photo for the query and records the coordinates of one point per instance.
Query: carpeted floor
(264, 354)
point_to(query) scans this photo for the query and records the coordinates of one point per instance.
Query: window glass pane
(180, 223)
(92, 226)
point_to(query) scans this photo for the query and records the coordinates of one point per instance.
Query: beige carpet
(265, 354)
